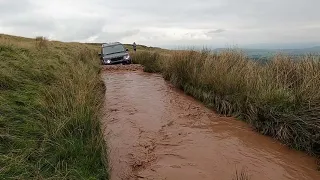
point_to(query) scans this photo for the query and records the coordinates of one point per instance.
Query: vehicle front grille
(117, 59)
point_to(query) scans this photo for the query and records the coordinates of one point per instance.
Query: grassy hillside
(280, 98)
(51, 95)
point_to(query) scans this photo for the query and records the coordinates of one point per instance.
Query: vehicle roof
(111, 44)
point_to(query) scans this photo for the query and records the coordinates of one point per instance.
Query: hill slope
(51, 96)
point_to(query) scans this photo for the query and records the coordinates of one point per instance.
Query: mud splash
(156, 132)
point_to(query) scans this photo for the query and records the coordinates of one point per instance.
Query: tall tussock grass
(279, 98)
(149, 60)
(41, 42)
(49, 112)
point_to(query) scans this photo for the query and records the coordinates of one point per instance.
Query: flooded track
(155, 132)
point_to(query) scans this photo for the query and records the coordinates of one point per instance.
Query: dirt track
(156, 132)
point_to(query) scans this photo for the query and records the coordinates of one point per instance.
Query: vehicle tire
(126, 62)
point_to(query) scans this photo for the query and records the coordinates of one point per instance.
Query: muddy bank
(129, 67)
(156, 132)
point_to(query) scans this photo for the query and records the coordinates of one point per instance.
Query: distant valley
(267, 53)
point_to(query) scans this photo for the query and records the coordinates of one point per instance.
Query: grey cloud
(115, 36)
(190, 34)
(78, 29)
(165, 22)
(216, 31)
(131, 32)
(7, 7)
(29, 21)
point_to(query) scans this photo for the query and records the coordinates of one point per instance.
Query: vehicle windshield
(113, 49)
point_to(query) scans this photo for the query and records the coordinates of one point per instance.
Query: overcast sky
(165, 22)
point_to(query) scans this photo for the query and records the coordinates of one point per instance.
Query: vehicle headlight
(127, 56)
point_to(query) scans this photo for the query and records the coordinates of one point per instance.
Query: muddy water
(156, 132)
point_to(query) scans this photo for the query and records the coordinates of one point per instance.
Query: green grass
(280, 98)
(51, 95)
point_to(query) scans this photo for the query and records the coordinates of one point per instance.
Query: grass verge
(279, 98)
(51, 95)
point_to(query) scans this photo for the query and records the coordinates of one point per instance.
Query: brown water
(156, 132)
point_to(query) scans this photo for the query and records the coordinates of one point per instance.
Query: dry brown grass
(41, 42)
(280, 98)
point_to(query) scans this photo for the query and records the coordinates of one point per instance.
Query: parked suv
(114, 53)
